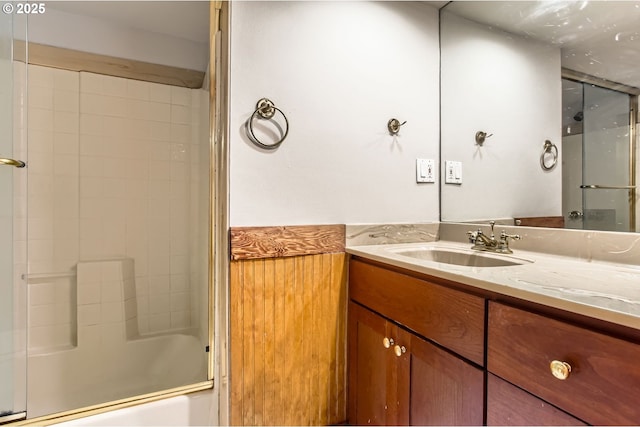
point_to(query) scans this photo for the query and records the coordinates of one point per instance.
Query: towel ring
(550, 148)
(266, 109)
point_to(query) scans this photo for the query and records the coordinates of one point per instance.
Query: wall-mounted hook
(394, 126)
(481, 136)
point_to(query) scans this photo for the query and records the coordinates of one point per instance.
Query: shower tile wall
(114, 173)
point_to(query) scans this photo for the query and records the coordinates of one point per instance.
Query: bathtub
(105, 371)
(195, 409)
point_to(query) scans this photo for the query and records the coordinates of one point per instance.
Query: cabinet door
(507, 405)
(445, 390)
(373, 373)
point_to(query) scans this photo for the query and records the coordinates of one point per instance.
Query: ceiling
(183, 19)
(599, 38)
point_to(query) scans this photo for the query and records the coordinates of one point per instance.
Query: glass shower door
(606, 175)
(12, 231)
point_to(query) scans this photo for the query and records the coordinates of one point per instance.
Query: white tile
(112, 312)
(41, 141)
(114, 168)
(115, 126)
(66, 122)
(159, 112)
(180, 301)
(179, 264)
(41, 293)
(92, 145)
(66, 143)
(65, 165)
(89, 294)
(160, 131)
(65, 186)
(158, 284)
(179, 282)
(89, 272)
(138, 90)
(92, 103)
(113, 334)
(160, 93)
(138, 129)
(91, 187)
(180, 114)
(66, 250)
(90, 249)
(40, 76)
(91, 166)
(89, 314)
(41, 228)
(111, 291)
(114, 106)
(142, 287)
(181, 133)
(91, 83)
(159, 322)
(180, 96)
(111, 271)
(115, 86)
(41, 337)
(160, 170)
(180, 319)
(40, 250)
(91, 124)
(66, 80)
(40, 119)
(138, 109)
(41, 315)
(41, 97)
(65, 100)
(40, 185)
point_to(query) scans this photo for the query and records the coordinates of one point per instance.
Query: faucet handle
(504, 236)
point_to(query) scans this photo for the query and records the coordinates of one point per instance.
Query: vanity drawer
(603, 386)
(449, 317)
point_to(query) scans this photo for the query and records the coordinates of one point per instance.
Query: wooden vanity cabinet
(602, 384)
(396, 377)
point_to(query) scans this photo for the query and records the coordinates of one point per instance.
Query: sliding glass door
(12, 229)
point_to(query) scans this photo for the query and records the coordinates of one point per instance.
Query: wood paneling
(541, 221)
(74, 60)
(285, 241)
(288, 340)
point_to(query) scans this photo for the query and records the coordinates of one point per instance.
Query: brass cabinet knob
(560, 370)
(387, 342)
(400, 350)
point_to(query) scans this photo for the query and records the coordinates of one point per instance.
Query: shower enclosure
(13, 331)
(104, 234)
(598, 157)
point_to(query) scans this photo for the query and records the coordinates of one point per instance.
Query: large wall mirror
(111, 227)
(553, 88)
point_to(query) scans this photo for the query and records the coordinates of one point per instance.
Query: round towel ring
(550, 148)
(266, 110)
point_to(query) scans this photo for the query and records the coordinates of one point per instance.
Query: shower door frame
(634, 117)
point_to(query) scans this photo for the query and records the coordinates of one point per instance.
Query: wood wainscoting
(288, 330)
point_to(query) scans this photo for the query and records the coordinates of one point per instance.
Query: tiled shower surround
(118, 170)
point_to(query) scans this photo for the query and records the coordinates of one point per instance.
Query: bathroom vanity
(439, 343)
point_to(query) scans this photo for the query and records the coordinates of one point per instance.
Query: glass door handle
(609, 187)
(12, 162)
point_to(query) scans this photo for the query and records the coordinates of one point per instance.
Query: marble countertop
(601, 290)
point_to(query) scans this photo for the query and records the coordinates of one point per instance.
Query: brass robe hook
(394, 126)
(481, 136)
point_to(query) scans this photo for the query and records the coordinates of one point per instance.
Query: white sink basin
(461, 257)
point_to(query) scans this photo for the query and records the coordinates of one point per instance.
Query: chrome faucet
(490, 244)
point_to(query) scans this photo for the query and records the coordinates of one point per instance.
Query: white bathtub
(196, 409)
(108, 370)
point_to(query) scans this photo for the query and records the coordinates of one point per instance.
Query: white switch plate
(425, 170)
(453, 172)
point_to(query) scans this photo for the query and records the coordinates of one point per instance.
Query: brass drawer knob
(387, 342)
(560, 370)
(400, 350)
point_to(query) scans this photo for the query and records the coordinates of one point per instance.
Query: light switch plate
(453, 172)
(425, 170)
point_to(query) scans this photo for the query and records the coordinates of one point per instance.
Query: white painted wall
(105, 37)
(339, 71)
(510, 87)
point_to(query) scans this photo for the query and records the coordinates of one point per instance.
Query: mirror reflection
(531, 72)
